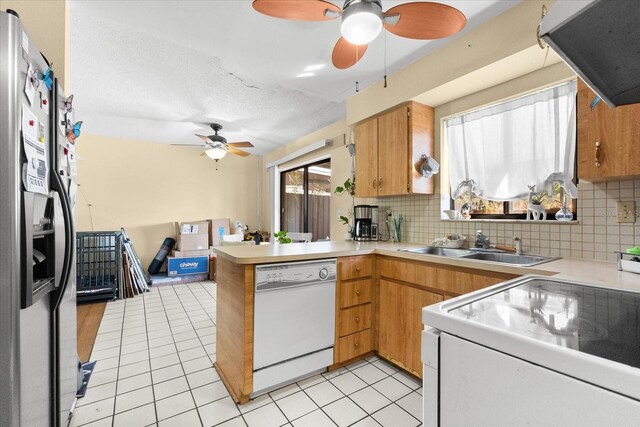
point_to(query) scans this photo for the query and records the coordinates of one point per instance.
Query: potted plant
(281, 237)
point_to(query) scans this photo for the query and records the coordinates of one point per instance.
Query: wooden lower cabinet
(354, 292)
(354, 319)
(354, 314)
(400, 323)
(353, 345)
(379, 303)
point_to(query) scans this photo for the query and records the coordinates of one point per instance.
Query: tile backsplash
(596, 234)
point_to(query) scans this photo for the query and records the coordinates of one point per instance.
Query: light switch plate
(626, 212)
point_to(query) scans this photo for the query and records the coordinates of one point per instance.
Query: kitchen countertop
(601, 273)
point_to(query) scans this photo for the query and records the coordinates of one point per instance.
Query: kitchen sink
(490, 255)
(508, 258)
(437, 250)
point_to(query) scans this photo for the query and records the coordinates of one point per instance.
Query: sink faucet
(481, 240)
(517, 242)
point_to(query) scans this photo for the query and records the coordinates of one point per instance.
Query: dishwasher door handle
(275, 286)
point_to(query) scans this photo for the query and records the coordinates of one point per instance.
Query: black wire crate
(99, 259)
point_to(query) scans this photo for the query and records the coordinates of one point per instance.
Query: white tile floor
(155, 357)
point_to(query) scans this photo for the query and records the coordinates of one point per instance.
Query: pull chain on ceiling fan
(363, 20)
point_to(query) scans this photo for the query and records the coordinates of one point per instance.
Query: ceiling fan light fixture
(216, 153)
(361, 21)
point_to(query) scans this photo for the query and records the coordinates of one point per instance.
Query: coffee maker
(366, 223)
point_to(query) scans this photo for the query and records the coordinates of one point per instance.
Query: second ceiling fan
(216, 146)
(363, 20)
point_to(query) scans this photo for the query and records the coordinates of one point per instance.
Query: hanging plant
(349, 187)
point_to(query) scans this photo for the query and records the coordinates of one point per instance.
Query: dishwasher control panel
(274, 276)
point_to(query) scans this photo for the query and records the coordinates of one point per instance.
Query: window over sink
(505, 156)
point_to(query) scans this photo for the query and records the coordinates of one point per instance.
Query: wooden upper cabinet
(366, 134)
(608, 139)
(388, 148)
(393, 151)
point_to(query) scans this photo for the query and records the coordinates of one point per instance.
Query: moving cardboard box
(193, 236)
(214, 230)
(187, 254)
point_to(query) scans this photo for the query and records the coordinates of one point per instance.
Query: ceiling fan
(217, 146)
(363, 20)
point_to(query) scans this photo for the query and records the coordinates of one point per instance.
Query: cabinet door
(400, 323)
(366, 135)
(393, 152)
(618, 133)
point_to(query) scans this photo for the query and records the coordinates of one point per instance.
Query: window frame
(523, 216)
(305, 192)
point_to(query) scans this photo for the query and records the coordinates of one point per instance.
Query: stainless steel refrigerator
(38, 355)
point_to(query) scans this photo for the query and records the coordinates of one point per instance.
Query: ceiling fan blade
(425, 20)
(297, 10)
(189, 145)
(346, 54)
(204, 153)
(240, 144)
(238, 152)
(205, 138)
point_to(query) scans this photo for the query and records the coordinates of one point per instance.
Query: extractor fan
(362, 21)
(217, 146)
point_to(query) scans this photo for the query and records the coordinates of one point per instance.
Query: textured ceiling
(162, 70)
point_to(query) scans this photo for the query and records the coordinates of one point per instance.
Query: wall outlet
(626, 212)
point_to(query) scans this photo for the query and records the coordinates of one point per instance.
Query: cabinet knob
(358, 293)
(357, 319)
(598, 164)
(375, 181)
(357, 269)
(356, 345)
(380, 183)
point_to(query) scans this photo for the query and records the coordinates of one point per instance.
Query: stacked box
(191, 255)
(193, 236)
(191, 265)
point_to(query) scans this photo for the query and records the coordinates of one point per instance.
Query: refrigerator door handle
(58, 187)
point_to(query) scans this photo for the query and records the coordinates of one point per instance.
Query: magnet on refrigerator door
(74, 132)
(44, 102)
(47, 78)
(31, 84)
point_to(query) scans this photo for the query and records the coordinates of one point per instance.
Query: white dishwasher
(294, 321)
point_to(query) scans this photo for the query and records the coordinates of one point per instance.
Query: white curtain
(502, 149)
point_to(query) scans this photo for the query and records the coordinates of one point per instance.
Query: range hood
(600, 41)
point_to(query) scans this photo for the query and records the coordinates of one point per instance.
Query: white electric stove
(533, 351)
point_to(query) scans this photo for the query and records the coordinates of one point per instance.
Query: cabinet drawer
(354, 293)
(352, 346)
(354, 267)
(355, 319)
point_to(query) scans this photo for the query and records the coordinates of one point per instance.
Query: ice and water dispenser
(39, 269)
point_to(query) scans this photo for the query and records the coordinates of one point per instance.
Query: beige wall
(596, 236)
(46, 22)
(495, 61)
(497, 51)
(145, 187)
(340, 171)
